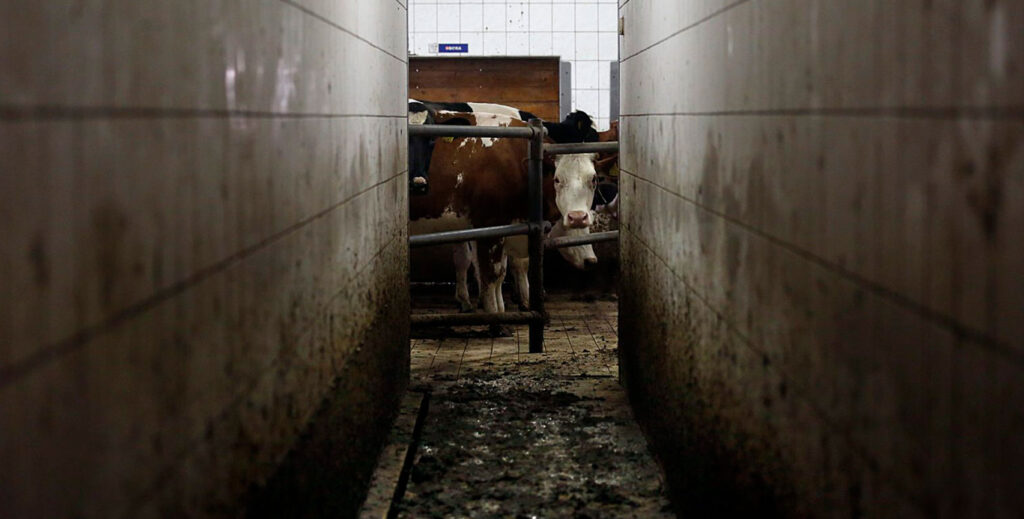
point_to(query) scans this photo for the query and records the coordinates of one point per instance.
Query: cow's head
(575, 180)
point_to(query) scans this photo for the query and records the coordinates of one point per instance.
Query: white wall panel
(582, 32)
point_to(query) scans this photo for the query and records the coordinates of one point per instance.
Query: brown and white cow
(577, 127)
(480, 182)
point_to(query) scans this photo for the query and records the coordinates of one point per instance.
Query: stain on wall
(822, 295)
(203, 211)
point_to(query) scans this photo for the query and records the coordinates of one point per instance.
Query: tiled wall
(823, 272)
(203, 221)
(583, 32)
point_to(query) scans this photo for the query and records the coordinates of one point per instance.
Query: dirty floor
(514, 434)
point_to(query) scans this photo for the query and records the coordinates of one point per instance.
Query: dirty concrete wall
(823, 298)
(203, 221)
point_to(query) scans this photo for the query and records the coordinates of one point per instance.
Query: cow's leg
(520, 270)
(499, 297)
(463, 259)
(491, 261)
(518, 250)
(473, 246)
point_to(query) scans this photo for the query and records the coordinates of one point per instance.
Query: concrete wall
(203, 221)
(823, 297)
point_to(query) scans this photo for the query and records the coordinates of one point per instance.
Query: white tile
(540, 44)
(586, 17)
(448, 17)
(586, 100)
(602, 123)
(494, 43)
(604, 71)
(494, 18)
(563, 17)
(518, 16)
(475, 40)
(518, 44)
(448, 37)
(540, 17)
(423, 41)
(495, 1)
(586, 75)
(471, 18)
(564, 44)
(586, 45)
(603, 104)
(608, 46)
(425, 17)
(608, 17)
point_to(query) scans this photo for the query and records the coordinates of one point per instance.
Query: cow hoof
(524, 307)
(497, 330)
(466, 308)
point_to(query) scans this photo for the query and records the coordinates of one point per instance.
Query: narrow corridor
(518, 435)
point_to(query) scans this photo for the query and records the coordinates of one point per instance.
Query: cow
(604, 218)
(475, 107)
(480, 182)
(577, 127)
(421, 148)
(604, 212)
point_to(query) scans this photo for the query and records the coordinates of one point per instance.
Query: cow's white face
(579, 256)
(575, 180)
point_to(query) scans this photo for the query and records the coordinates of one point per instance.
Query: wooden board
(529, 84)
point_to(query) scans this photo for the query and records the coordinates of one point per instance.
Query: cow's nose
(578, 219)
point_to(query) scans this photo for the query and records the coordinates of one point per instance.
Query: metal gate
(534, 228)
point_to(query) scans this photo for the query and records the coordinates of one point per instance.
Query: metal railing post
(536, 244)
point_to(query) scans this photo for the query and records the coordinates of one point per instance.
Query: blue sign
(452, 48)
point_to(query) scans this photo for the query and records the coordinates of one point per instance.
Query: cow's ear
(457, 121)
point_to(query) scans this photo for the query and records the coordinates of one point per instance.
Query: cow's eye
(557, 181)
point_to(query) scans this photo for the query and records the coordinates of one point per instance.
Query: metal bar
(424, 320)
(581, 147)
(441, 238)
(572, 241)
(444, 130)
(536, 243)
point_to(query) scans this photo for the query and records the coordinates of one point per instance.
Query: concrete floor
(514, 434)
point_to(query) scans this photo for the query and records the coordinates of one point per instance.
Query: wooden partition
(530, 84)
